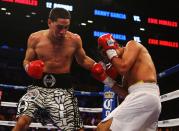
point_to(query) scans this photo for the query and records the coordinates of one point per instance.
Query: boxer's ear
(49, 22)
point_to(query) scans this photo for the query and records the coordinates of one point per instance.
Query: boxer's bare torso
(57, 55)
(142, 69)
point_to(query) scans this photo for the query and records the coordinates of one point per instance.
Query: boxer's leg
(22, 123)
(82, 129)
(26, 110)
(63, 110)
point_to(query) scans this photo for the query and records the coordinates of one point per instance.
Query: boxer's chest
(55, 51)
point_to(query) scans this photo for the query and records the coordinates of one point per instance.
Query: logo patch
(49, 80)
(22, 106)
(110, 42)
(31, 95)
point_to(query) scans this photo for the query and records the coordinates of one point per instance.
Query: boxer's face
(59, 27)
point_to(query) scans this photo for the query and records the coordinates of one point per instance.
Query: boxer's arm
(81, 57)
(98, 72)
(124, 63)
(32, 66)
(30, 52)
(119, 90)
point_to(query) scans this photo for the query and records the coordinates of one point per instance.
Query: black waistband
(54, 81)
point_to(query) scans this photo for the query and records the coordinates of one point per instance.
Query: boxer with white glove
(108, 44)
(132, 62)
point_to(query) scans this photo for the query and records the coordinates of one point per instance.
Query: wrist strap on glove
(111, 53)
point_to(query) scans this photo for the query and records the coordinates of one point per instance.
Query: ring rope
(38, 125)
(165, 97)
(164, 123)
(170, 96)
(82, 109)
(169, 123)
(78, 93)
(169, 71)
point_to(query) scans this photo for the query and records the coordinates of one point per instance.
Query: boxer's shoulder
(40, 33)
(132, 42)
(134, 45)
(75, 38)
(37, 35)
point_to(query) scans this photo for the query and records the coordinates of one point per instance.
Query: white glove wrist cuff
(111, 53)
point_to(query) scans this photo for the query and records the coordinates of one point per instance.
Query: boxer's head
(59, 22)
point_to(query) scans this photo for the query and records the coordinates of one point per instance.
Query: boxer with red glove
(108, 44)
(107, 74)
(99, 73)
(111, 71)
(35, 69)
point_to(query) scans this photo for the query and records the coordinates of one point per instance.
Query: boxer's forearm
(118, 89)
(87, 63)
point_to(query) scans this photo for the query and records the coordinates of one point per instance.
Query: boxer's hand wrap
(35, 69)
(99, 73)
(108, 44)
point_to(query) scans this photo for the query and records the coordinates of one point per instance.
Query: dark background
(15, 29)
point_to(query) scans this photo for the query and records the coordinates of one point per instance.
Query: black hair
(56, 13)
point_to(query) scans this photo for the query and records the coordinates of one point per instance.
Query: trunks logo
(49, 80)
(31, 95)
(22, 106)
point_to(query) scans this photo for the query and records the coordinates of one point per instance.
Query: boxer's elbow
(81, 62)
(122, 69)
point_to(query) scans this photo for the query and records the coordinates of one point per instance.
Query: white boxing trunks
(139, 111)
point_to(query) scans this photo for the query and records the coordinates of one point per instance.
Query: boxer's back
(142, 70)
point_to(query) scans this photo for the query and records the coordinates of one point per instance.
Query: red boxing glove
(108, 44)
(111, 71)
(107, 41)
(35, 69)
(99, 73)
